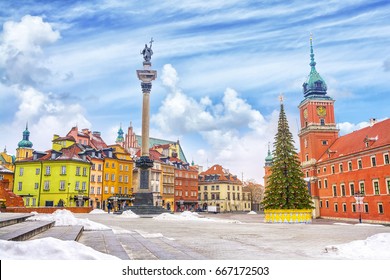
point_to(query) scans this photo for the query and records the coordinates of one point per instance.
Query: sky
(221, 66)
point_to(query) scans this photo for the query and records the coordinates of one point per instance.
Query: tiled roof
(218, 173)
(375, 136)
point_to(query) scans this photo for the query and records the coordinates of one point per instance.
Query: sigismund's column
(145, 196)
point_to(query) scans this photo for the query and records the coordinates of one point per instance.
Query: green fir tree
(286, 188)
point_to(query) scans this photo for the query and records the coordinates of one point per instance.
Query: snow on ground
(49, 249)
(98, 211)
(191, 216)
(128, 214)
(359, 225)
(66, 218)
(252, 213)
(374, 247)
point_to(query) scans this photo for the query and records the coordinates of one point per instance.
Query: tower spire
(312, 62)
(314, 85)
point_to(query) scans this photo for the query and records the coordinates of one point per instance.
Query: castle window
(380, 208)
(324, 142)
(388, 186)
(386, 159)
(373, 161)
(341, 168)
(353, 207)
(375, 185)
(326, 203)
(320, 203)
(344, 207)
(336, 207)
(365, 207)
(322, 121)
(319, 184)
(307, 157)
(334, 190)
(332, 167)
(362, 188)
(360, 165)
(349, 165)
(352, 188)
(326, 183)
(324, 169)
(342, 186)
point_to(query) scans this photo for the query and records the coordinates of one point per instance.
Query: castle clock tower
(317, 123)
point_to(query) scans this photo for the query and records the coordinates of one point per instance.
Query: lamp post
(359, 201)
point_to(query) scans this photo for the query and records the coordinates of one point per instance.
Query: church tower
(318, 128)
(267, 166)
(24, 149)
(120, 139)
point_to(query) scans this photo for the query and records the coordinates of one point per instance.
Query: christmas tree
(286, 188)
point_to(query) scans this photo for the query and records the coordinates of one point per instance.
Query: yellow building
(54, 178)
(219, 188)
(168, 186)
(117, 177)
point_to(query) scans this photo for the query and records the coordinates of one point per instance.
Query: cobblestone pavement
(229, 237)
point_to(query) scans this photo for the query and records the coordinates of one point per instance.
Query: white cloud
(235, 134)
(21, 55)
(23, 70)
(347, 127)
(29, 35)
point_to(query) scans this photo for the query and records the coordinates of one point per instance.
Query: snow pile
(191, 216)
(374, 247)
(66, 218)
(98, 211)
(128, 214)
(252, 213)
(49, 249)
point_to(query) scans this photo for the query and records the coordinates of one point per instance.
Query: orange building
(341, 169)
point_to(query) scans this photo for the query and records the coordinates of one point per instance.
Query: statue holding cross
(147, 51)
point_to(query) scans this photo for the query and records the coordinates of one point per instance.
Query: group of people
(111, 206)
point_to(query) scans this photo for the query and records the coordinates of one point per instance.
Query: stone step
(7, 219)
(104, 241)
(24, 231)
(65, 233)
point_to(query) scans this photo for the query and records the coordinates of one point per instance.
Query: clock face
(321, 111)
(305, 113)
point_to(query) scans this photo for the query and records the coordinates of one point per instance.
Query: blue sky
(221, 67)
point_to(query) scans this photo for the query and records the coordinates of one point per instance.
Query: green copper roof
(156, 141)
(120, 138)
(314, 84)
(25, 143)
(269, 157)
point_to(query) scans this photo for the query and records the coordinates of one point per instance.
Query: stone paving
(230, 237)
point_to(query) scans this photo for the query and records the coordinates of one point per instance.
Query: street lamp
(359, 201)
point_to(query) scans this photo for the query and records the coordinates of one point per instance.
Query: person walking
(109, 207)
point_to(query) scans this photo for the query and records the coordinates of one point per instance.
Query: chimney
(372, 121)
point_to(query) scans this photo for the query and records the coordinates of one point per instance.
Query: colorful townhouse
(218, 187)
(54, 178)
(186, 185)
